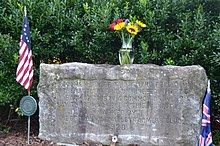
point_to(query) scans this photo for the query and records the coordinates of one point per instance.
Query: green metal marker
(28, 106)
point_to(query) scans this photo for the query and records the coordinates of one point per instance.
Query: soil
(18, 133)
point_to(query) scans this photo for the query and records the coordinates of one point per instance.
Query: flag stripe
(205, 110)
(209, 139)
(24, 73)
(21, 62)
(201, 142)
(22, 65)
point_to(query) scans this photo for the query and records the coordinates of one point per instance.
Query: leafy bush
(9, 89)
(179, 32)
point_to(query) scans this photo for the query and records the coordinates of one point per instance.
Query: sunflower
(141, 24)
(119, 26)
(132, 29)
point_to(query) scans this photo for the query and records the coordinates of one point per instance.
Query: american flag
(205, 138)
(24, 74)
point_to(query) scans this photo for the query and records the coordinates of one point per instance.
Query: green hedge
(179, 32)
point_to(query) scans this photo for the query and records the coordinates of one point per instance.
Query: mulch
(19, 139)
(17, 135)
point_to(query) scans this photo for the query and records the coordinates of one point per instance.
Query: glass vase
(126, 53)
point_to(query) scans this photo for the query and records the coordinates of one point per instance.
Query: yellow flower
(57, 60)
(141, 24)
(119, 26)
(132, 29)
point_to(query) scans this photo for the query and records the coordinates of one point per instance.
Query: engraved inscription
(118, 104)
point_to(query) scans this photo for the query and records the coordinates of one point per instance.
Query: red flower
(119, 21)
(111, 27)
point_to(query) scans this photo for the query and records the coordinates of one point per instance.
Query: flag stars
(24, 74)
(27, 39)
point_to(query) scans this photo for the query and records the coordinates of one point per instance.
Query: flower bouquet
(126, 30)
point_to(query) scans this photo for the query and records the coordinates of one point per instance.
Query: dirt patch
(17, 134)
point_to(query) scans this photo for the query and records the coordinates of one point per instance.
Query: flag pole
(22, 72)
(29, 92)
(25, 11)
(208, 87)
(25, 15)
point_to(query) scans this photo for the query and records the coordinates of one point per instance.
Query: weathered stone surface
(147, 105)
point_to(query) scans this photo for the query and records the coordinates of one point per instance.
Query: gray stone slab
(148, 105)
(66, 144)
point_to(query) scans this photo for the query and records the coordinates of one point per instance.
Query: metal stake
(29, 123)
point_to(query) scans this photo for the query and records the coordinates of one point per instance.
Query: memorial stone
(148, 105)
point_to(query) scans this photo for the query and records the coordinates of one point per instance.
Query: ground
(17, 135)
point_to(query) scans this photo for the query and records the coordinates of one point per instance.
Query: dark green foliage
(4, 129)
(179, 32)
(9, 89)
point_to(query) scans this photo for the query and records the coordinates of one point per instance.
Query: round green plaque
(28, 105)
